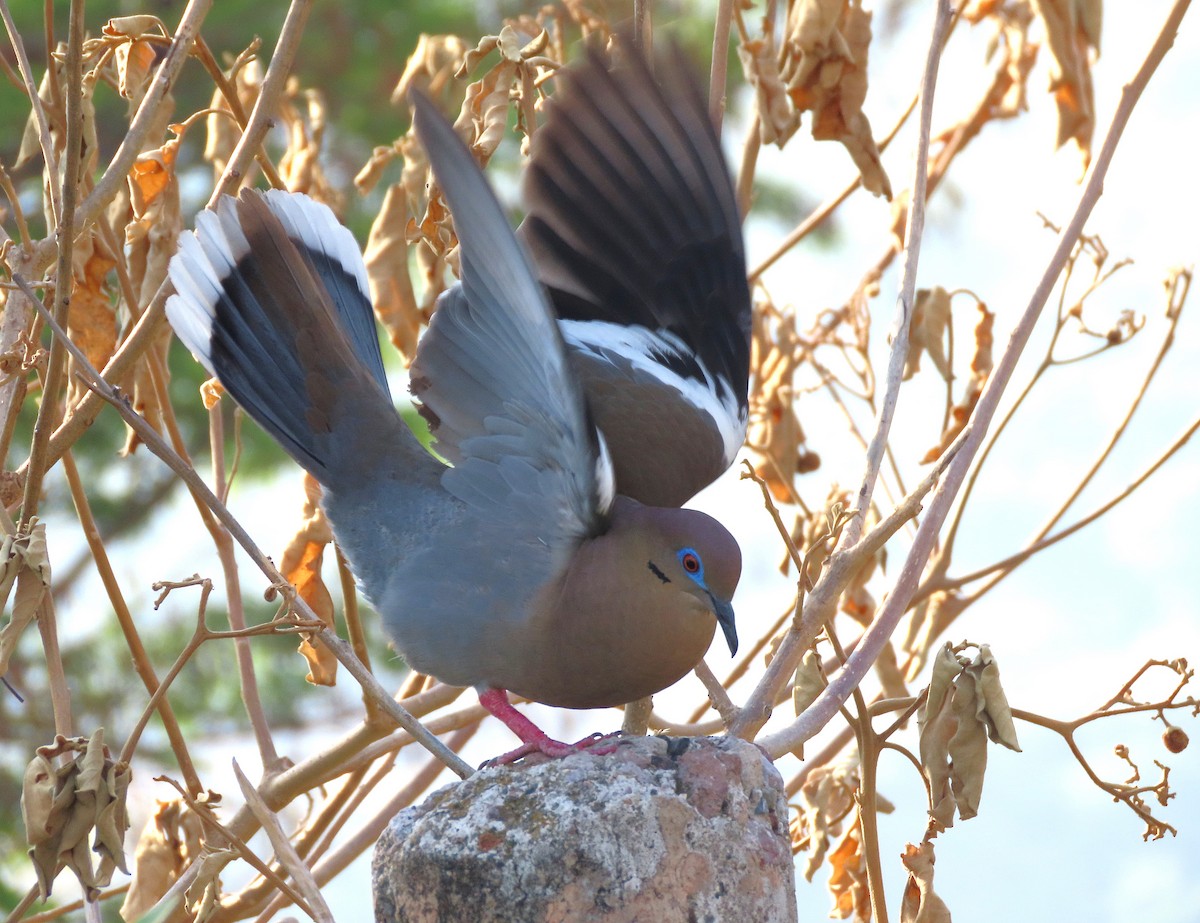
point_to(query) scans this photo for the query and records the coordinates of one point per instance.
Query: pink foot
(556, 749)
(533, 738)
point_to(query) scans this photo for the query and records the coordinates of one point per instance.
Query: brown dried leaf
(777, 118)
(936, 724)
(926, 623)
(920, 904)
(992, 709)
(303, 112)
(169, 843)
(30, 139)
(151, 236)
(134, 62)
(37, 799)
(856, 600)
(887, 668)
(222, 130)
(301, 567)
(152, 226)
(809, 683)
(386, 258)
(967, 749)
(135, 26)
(965, 706)
(848, 877)
(1073, 34)
(823, 62)
(431, 66)
(372, 171)
(775, 438)
(24, 562)
(210, 392)
(91, 317)
(112, 821)
(63, 806)
(826, 799)
(927, 332)
(517, 76)
(145, 394)
(981, 368)
(484, 114)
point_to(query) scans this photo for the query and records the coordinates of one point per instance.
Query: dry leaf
(809, 683)
(211, 390)
(775, 438)
(1073, 34)
(135, 63)
(151, 221)
(981, 368)
(826, 800)
(936, 723)
(891, 678)
(431, 66)
(777, 117)
(823, 62)
(856, 600)
(303, 113)
(223, 131)
(848, 877)
(91, 317)
(517, 76)
(301, 567)
(386, 258)
(965, 706)
(169, 843)
(920, 904)
(30, 139)
(24, 562)
(967, 749)
(992, 709)
(927, 332)
(62, 807)
(152, 234)
(927, 621)
(372, 171)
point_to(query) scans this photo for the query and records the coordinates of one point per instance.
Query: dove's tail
(272, 298)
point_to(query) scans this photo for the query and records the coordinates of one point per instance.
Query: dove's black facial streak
(657, 573)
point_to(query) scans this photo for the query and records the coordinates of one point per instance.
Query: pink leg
(533, 738)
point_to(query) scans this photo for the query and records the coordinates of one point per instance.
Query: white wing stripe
(638, 346)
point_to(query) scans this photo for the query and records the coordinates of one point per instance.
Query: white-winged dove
(520, 567)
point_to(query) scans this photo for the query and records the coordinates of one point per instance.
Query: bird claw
(556, 749)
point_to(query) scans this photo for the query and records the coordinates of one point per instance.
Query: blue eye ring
(689, 560)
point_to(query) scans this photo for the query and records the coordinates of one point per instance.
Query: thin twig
(148, 114)
(247, 678)
(155, 443)
(822, 598)
(716, 694)
(720, 63)
(262, 116)
(1006, 566)
(813, 221)
(1177, 297)
(285, 853)
(335, 862)
(64, 274)
(913, 233)
(840, 687)
(35, 101)
(137, 651)
(236, 108)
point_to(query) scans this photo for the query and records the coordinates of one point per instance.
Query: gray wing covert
(492, 369)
